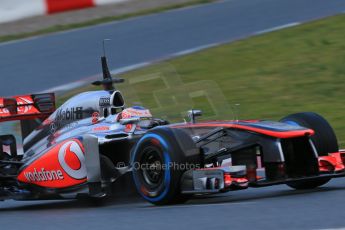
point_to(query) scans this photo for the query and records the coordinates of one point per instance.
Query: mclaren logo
(69, 149)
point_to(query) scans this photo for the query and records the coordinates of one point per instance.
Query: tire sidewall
(159, 193)
(177, 148)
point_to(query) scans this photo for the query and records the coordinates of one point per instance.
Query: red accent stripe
(286, 134)
(54, 6)
(334, 159)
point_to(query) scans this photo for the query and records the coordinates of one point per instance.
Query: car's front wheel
(324, 141)
(159, 159)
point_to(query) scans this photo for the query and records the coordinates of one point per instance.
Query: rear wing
(27, 107)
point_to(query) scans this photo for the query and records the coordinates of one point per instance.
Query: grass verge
(59, 28)
(272, 75)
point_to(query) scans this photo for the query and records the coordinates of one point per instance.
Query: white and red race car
(84, 146)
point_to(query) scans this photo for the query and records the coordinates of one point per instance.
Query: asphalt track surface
(40, 63)
(276, 207)
(44, 62)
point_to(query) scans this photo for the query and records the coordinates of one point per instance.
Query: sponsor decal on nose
(43, 175)
(72, 160)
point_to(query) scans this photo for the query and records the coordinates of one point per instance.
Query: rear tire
(158, 161)
(324, 141)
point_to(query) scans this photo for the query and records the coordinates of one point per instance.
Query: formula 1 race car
(92, 140)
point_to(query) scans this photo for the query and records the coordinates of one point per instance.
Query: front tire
(324, 141)
(159, 159)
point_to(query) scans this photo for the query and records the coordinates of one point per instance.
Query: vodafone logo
(72, 160)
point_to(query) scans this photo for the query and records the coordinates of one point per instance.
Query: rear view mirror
(192, 114)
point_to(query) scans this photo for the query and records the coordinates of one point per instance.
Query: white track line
(85, 81)
(193, 50)
(130, 68)
(288, 25)
(76, 84)
(65, 87)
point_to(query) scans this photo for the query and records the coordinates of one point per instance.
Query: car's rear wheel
(324, 141)
(159, 159)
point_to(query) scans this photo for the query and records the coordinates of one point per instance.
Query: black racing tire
(324, 140)
(159, 160)
(309, 184)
